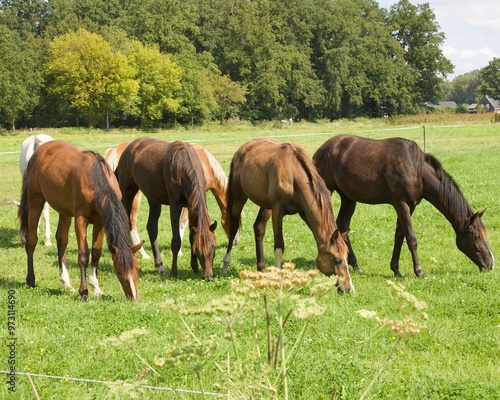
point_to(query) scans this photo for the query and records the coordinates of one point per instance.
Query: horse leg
(404, 229)
(31, 239)
(234, 224)
(134, 235)
(346, 211)
(46, 218)
(62, 243)
(83, 254)
(259, 228)
(279, 243)
(152, 227)
(183, 224)
(97, 241)
(175, 213)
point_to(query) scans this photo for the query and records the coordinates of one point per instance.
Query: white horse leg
(46, 218)
(64, 278)
(134, 235)
(94, 281)
(227, 260)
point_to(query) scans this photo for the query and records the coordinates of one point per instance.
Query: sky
(472, 30)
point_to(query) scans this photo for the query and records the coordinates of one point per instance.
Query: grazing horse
(78, 184)
(28, 147)
(169, 173)
(215, 178)
(396, 171)
(281, 179)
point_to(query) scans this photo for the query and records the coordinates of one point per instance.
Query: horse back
(58, 173)
(267, 171)
(369, 170)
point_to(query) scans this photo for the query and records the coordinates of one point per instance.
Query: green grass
(456, 357)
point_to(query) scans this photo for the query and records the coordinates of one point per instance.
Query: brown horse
(395, 171)
(281, 179)
(169, 173)
(78, 184)
(215, 178)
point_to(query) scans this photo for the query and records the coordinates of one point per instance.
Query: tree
(490, 77)
(464, 87)
(417, 31)
(228, 95)
(96, 83)
(20, 79)
(159, 78)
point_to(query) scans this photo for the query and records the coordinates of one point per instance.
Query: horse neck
(443, 193)
(218, 181)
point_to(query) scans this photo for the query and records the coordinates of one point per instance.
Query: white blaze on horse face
(94, 282)
(64, 278)
(132, 288)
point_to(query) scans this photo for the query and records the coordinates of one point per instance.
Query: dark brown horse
(215, 179)
(281, 179)
(78, 184)
(169, 173)
(395, 171)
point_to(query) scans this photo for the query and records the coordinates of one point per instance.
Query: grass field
(118, 349)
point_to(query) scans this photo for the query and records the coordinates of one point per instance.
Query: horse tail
(22, 212)
(230, 194)
(189, 170)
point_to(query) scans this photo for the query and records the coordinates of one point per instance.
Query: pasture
(111, 348)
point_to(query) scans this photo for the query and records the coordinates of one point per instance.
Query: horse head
(332, 260)
(472, 241)
(206, 253)
(127, 276)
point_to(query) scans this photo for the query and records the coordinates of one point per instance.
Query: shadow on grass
(9, 238)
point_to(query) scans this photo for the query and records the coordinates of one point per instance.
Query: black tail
(22, 212)
(230, 195)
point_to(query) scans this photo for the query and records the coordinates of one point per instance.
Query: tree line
(147, 62)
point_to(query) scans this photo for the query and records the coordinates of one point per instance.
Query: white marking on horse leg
(46, 218)
(278, 253)
(64, 278)
(227, 260)
(132, 288)
(134, 235)
(182, 229)
(94, 282)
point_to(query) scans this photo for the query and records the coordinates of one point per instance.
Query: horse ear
(475, 216)
(335, 236)
(344, 235)
(213, 226)
(136, 247)
(113, 249)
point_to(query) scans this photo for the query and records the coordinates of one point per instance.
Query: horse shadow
(9, 238)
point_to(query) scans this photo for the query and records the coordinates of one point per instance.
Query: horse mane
(318, 186)
(194, 185)
(217, 170)
(113, 215)
(450, 194)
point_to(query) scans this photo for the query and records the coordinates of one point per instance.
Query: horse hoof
(161, 269)
(85, 298)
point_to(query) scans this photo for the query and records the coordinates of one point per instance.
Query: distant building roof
(492, 104)
(445, 104)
